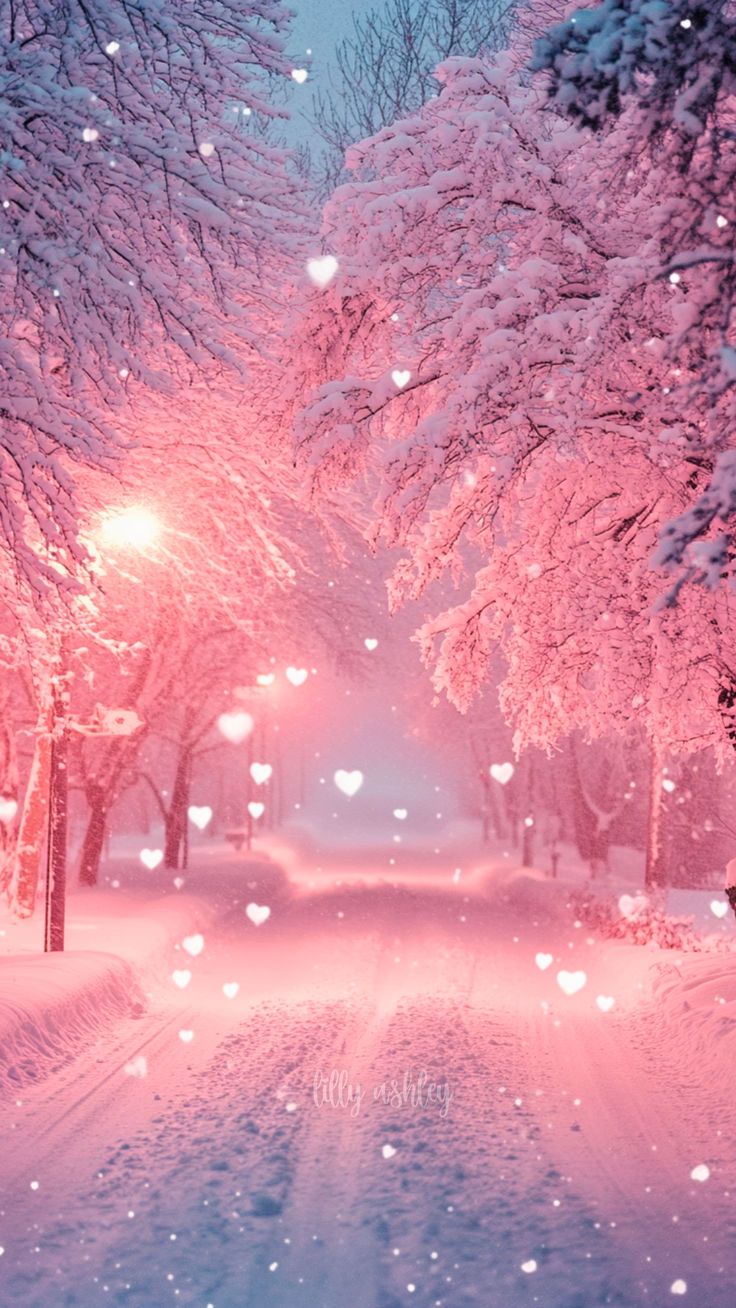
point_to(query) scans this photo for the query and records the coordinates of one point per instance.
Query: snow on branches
(671, 67)
(675, 57)
(514, 266)
(142, 226)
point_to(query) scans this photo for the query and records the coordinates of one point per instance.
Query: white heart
(136, 1067)
(543, 961)
(193, 945)
(296, 676)
(501, 772)
(230, 989)
(571, 982)
(265, 678)
(178, 882)
(186, 1036)
(258, 913)
(630, 905)
(151, 858)
(255, 808)
(206, 149)
(701, 1172)
(235, 726)
(260, 772)
(200, 816)
(400, 813)
(388, 1151)
(322, 270)
(605, 1003)
(529, 1266)
(348, 782)
(181, 978)
(718, 907)
(8, 809)
(400, 377)
(370, 642)
(668, 785)
(300, 75)
(90, 134)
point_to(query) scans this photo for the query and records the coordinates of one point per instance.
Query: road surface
(533, 1149)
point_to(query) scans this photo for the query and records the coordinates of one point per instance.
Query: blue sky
(318, 26)
(320, 23)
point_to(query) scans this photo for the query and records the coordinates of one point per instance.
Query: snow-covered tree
(141, 231)
(384, 67)
(177, 681)
(147, 231)
(676, 60)
(671, 69)
(496, 354)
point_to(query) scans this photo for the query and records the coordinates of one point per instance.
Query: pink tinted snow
(52, 1006)
(376, 969)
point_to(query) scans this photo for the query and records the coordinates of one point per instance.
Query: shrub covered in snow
(648, 925)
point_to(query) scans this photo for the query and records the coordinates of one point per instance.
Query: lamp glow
(133, 528)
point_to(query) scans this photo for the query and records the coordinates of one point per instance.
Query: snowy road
(550, 1166)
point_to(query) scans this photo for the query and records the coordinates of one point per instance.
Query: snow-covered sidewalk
(122, 940)
(53, 1006)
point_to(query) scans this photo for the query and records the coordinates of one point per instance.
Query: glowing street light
(133, 528)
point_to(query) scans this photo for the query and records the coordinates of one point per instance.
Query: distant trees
(385, 68)
(177, 682)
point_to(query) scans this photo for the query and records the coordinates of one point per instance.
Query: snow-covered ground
(251, 1150)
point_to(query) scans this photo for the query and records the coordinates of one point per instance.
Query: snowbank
(53, 1005)
(695, 999)
(529, 892)
(123, 938)
(119, 947)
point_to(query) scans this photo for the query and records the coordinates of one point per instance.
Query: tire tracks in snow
(247, 1194)
(620, 1139)
(337, 1250)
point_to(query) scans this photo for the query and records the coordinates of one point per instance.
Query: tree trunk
(94, 838)
(33, 822)
(654, 868)
(527, 846)
(8, 793)
(249, 797)
(57, 840)
(529, 827)
(592, 821)
(176, 817)
(485, 811)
